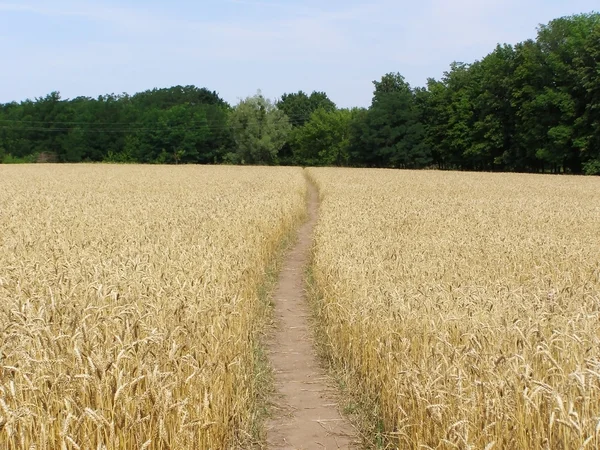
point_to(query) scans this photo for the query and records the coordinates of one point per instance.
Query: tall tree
(260, 130)
(588, 133)
(299, 106)
(494, 116)
(325, 139)
(390, 134)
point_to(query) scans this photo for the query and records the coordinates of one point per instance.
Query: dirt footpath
(305, 415)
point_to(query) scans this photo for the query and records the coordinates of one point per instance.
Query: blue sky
(238, 46)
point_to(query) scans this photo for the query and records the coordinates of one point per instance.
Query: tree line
(529, 107)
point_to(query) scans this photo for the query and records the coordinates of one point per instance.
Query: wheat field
(464, 307)
(130, 302)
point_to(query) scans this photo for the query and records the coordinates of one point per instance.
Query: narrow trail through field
(305, 414)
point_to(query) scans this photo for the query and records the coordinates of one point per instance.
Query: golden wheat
(129, 302)
(465, 306)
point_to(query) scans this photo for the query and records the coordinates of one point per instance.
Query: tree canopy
(533, 106)
(260, 130)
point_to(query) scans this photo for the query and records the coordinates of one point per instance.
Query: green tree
(46, 123)
(73, 146)
(390, 133)
(493, 125)
(299, 106)
(175, 135)
(166, 98)
(260, 130)
(324, 139)
(551, 95)
(432, 104)
(588, 132)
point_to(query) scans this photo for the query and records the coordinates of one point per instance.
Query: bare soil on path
(305, 413)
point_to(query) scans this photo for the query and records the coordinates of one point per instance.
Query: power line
(129, 129)
(293, 118)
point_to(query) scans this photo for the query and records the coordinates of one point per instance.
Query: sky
(235, 47)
